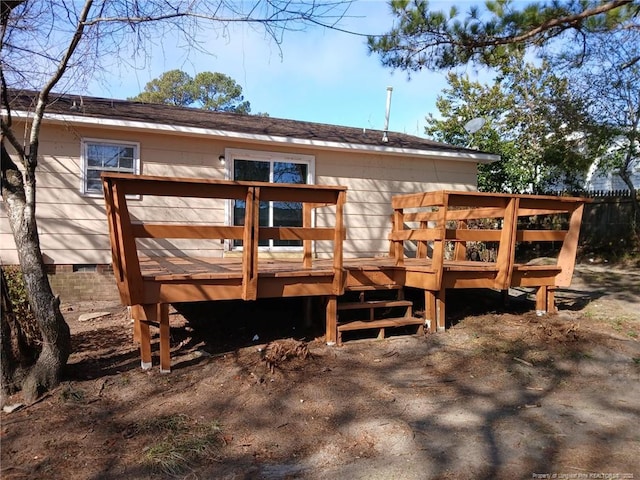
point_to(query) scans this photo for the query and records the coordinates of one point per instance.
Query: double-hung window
(106, 156)
(270, 167)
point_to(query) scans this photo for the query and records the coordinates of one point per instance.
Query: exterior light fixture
(221, 159)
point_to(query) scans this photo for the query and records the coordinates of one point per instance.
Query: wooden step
(374, 304)
(382, 323)
(366, 288)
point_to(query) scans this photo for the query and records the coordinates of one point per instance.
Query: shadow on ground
(501, 394)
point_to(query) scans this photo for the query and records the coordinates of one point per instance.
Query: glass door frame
(233, 154)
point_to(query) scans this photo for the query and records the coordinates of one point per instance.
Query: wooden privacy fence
(607, 224)
(149, 284)
(430, 220)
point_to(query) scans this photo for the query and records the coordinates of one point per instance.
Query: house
(83, 136)
(599, 180)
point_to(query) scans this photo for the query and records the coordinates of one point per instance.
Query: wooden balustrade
(436, 218)
(428, 224)
(149, 283)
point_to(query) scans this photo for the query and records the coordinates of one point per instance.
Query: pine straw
(279, 351)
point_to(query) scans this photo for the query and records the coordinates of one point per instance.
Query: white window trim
(231, 154)
(84, 165)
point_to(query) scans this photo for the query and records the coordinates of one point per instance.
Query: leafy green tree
(208, 90)
(609, 80)
(434, 39)
(219, 92)
(531, 120)
(171, 88)
(592, 46)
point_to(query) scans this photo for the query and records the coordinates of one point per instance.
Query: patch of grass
(183, 441)
(167, 423)
(579, 355)
(632, 334)
(71, 394)
(636, 360)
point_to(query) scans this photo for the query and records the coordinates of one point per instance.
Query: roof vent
(385, 134)
(74, 106)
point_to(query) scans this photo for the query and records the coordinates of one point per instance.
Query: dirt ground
(502, 394)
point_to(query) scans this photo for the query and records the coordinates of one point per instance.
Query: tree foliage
(171, 88)
(532, 120)
(207, 90)
(434, 39)
(609, 82)
(57, 44)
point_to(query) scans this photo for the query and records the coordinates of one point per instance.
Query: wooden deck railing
(124, 232)
(169, 281)
(430, 220)
(439, 226)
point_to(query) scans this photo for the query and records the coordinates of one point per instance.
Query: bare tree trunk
(56, 338)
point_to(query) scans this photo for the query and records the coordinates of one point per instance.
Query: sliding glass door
(272, 214)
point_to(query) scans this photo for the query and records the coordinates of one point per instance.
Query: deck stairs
(377, 307)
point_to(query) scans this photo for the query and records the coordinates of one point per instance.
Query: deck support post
(505, 297)
(308, 311)
(430, 309)
(434, 309)
(142, 315)
(165, 336)
(331, 335)
(551, 300)
(135, 317)
(440, 309)
(545, 300)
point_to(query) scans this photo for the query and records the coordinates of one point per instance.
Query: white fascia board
(257, 138)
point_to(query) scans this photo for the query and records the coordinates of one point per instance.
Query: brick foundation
(75, 283)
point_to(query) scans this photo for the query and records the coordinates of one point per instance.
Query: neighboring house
(83, 136)
(598, 180)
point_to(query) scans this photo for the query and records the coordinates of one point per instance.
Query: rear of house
(82, 137)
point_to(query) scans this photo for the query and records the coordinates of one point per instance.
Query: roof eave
(465, 156)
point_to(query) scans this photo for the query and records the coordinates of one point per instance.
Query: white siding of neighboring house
(597, 180)
(73, 228)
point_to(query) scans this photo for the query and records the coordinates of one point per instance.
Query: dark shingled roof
(104, 108)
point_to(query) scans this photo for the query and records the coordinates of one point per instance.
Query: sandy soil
(502, 394)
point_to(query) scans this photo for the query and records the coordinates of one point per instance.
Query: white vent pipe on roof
(385, 135)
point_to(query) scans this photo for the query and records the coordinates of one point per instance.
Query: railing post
(460, 248)
(437, 257)
(507, 247)
(307, 252)
(398, 245)
(567, 256)
(123, 244)
(250, 244)
(422, 249)
(338, 240)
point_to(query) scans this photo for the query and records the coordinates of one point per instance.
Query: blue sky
(317, 75)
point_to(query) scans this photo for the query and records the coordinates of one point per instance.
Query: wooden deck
(431, 239)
